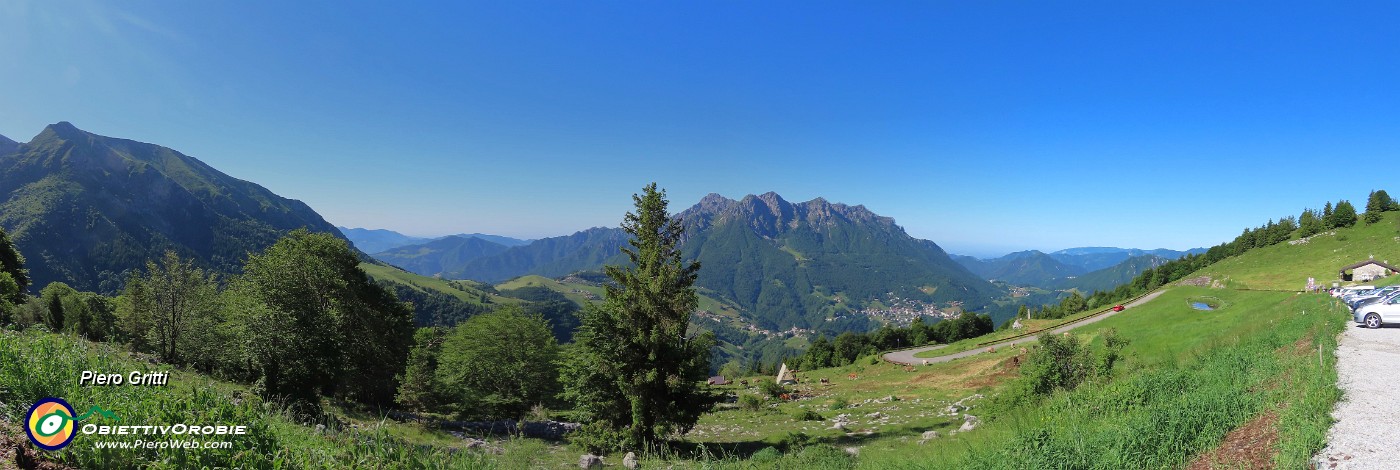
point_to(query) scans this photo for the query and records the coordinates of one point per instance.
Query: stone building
(1366, 271)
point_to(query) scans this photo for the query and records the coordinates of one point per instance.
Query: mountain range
(381, 240)
(806, 263)
(788, 264)
(1110, 277)
(441, 257)
(86, 209)
(1087, 268)
(1096, 258)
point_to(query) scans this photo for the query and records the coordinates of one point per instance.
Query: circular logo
(50, 423)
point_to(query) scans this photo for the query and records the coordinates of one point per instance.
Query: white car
(1377, 314)
(1344, 291)
(1353, 295)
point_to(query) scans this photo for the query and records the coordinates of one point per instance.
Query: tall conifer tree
(634, 369)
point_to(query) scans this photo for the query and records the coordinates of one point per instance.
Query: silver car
(1380, 313)
(1378, 295)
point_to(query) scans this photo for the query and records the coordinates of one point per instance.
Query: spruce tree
(634, 369)
(1376, 203)
(1387, 203)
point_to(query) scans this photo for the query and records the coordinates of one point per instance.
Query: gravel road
(1367, 432)
(907, 356)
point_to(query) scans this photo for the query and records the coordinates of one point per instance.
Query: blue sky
(984, 126)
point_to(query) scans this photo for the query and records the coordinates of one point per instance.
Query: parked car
(1379, 313)
(1357, 299)
(1359, 294)
(1117, 308)
(1342, 291)
(1372, 300)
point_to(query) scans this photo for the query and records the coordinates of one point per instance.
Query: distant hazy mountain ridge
(379, 240)
(1112, 276)
(1086, 268)
(1096, 258)
(550, 257)
(444, 256)
(1025, 268)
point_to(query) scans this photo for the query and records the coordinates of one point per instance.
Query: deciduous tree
(171, 294)
(499, 364)
(12, 262)
(314, 323)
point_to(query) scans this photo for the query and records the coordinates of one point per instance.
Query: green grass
(463, 290)
(1288, 267)
(36, 364)
(1190, 378)
(568, 289)
(1027, 326)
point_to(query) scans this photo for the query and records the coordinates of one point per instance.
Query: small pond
(1201, 306)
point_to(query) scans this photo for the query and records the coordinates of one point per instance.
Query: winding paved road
(906, 356)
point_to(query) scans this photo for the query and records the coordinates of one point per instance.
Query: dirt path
(907, 356)
(1364, 435)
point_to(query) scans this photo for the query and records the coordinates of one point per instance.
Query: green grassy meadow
(463, 290)
(574, 292)
(1288, 266)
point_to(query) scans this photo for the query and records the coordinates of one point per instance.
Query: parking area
(1367, 432)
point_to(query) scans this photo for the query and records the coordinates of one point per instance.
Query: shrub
(766, 455)
(822, 456)
(751, 402)
(598, 438)
(772, 389)
(840, 403)
(1060, 362)
(806, 415)
(795, 440)
(1112, 351)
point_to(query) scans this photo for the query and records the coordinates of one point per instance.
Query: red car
(1117, 308)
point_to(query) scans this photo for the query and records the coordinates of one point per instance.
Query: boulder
(590, 461)
(927, 435)
(630, 461)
